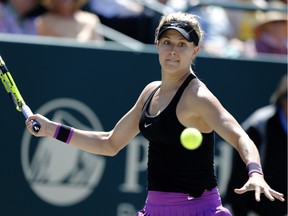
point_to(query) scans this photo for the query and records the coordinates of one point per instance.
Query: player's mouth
(172, 60)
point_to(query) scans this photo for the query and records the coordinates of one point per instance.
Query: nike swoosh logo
(147, 125)
(190, 197)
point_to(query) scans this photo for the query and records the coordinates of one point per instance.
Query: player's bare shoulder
(196, 94)
(193, 104)
(147, 91)
(199, 97)
(195, 89)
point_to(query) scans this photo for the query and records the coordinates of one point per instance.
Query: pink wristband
(253, 167)
(57, 131)
(70, 135)
(63, 133)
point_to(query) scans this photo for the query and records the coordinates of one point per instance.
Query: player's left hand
(257, 183)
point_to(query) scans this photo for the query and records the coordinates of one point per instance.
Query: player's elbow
(113, 151)
(112, 154)
(113, 146)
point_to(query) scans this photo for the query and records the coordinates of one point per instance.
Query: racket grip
(27, 113)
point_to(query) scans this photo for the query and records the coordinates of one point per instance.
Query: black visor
(183, 28)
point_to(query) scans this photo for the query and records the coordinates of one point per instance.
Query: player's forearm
(94, 142)
(247, 150)
(89, 141)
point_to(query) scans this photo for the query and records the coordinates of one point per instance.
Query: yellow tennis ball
(191, 138)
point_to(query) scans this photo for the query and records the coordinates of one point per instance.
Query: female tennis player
(180, 182)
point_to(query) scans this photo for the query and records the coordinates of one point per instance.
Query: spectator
(238, 32)
(18, 16)
(126, 16)
(219, 36)
(260, 31)
(271, 33)
(175, 5)
(267, 127)
(65, 18)
(243, 20)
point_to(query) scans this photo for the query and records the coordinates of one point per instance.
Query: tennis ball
(191, 138)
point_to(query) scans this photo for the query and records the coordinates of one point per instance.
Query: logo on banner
(60, 174)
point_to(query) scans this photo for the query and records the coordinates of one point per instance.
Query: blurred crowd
(244, 27)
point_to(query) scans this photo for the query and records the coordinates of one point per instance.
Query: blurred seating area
(232, 27)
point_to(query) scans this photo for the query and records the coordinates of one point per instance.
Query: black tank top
(171, 167)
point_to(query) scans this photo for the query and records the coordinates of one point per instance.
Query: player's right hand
(46, 125)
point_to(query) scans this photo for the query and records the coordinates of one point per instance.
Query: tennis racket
(15, 95)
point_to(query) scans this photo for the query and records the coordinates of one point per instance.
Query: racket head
(12, 90)
(10, 86)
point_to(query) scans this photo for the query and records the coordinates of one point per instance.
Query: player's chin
(171, 68)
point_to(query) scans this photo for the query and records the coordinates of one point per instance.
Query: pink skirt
(179, 204)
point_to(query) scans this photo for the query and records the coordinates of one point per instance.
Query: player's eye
(166, 42)
(182, 44)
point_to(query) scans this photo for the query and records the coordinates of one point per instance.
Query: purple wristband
(253, 167)
(63, 133)
(57, 131)
(70, 135)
